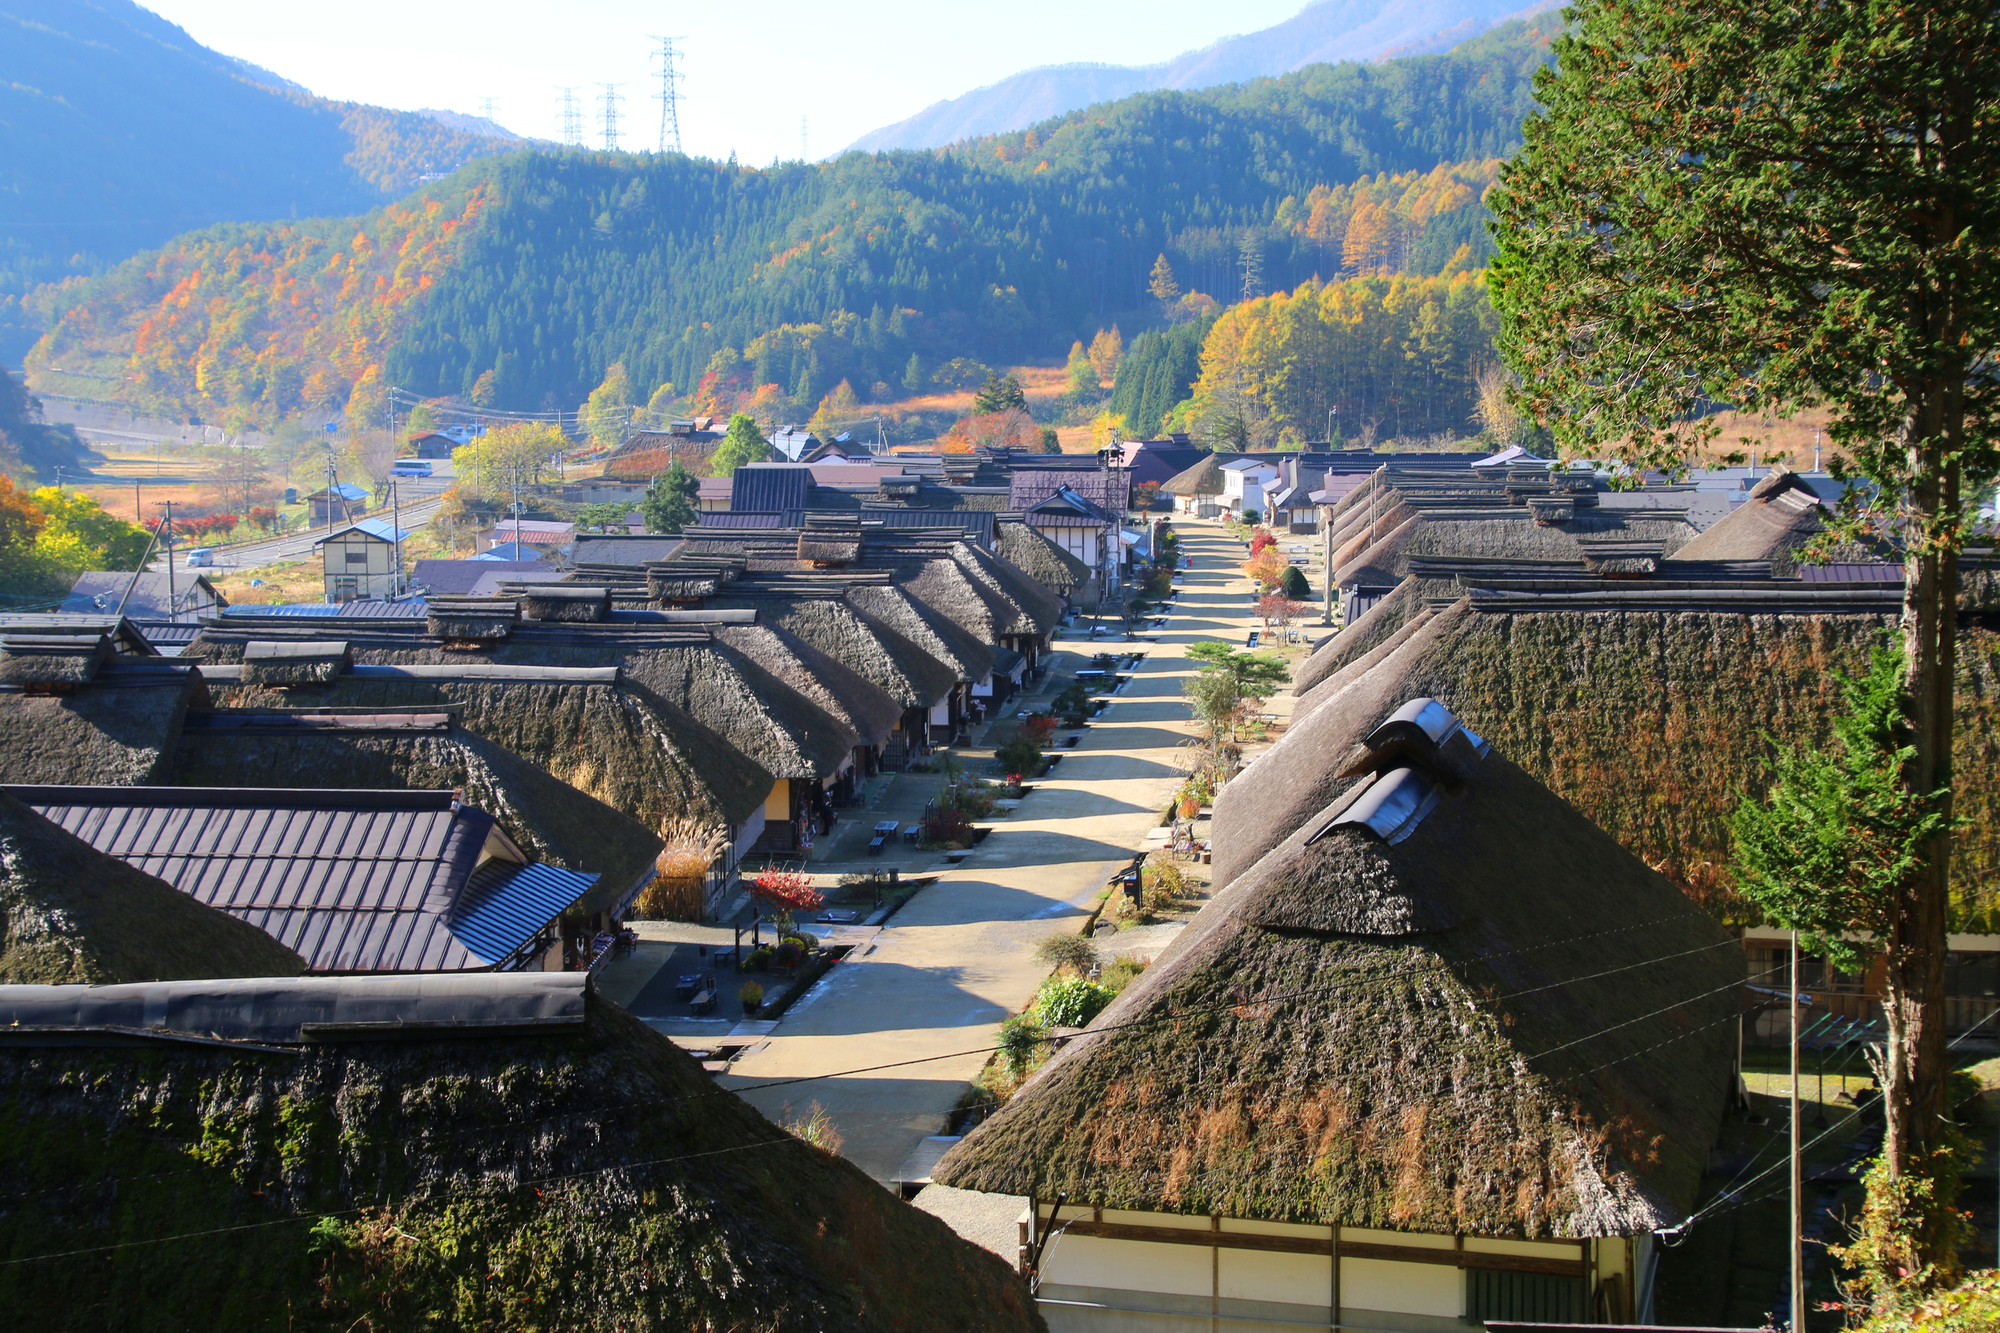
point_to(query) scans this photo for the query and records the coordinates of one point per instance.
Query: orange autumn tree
(1267, 567)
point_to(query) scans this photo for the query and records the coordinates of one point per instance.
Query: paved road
(421, 498)
(959, 957)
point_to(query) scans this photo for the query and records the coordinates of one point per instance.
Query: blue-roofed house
(338, 503)
(363, 560)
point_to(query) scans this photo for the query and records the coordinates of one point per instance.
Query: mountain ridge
(1324, 32)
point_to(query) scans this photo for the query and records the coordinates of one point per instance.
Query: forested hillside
(869, 269)
(119, 131)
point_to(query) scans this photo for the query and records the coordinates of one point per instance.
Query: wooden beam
(1403, 1254)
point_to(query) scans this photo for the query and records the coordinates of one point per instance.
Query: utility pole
(167, 534)
(608, 105)
(396, 531)
(669, 97)
(1797, 1240)
(571, 113)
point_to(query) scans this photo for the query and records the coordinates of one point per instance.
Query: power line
(668, 96)
(607, 107)
(570, 111)
(486, 110)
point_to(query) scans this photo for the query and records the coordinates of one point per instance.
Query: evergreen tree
(999, 393)
(669, 505)
(913, 374)
(1796, 209)
(1165, 289)
(1051, 442)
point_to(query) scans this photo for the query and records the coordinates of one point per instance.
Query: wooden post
(1798, 1311)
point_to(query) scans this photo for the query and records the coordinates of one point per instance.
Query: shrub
(947, 828)
(817, 1129)
(1040, 728)
(1021, 1042)
(1020, 755)
(1163, 882)
(1074, 953)
(1121, 973)
(1293, 583)
(1260, 539)
(788, 954)
(1071, 1002)
(1251, 516)
(759, 959)
(680, 871)
(751, 994)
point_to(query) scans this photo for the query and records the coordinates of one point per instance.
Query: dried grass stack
(680, 871)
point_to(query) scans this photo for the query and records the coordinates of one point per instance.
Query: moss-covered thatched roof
(948, 589)
(1648, 710)
(902, 611)
(372, 749)
(1041, 559)
(119, 729)
(70, 915)
(1492, 1020)
(1504, 533)
(638, 753)
(590, 1178)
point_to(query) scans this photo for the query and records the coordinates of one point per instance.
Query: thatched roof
(121, 727)
(1511, 534)
(69, 914)
(428, 750)
(868, 710)
(760, 713)
(638, 753)
(905, 672)
(1782, 514)
(1041, 559)
(1204, 478)
(902, 611)
(966, 601)
(293, 661)
(472, 618)
(562, 602)
(830, 546)
(1037, 608)
(58, 658)
(591, 1176)
(1401, 1017)
(1649, 709)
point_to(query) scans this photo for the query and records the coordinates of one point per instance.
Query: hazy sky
(753, 67)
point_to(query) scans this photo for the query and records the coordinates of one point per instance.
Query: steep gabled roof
(73, 915)
(905, 672)
(1782, 514)
(1445, 1002)
(1041, 559)
(120, 727)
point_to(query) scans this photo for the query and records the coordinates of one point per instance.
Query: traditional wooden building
(362, 560)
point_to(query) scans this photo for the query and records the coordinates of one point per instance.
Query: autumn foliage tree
(1267, 567)
(785, 892)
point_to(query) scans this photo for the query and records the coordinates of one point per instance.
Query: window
(357, 557)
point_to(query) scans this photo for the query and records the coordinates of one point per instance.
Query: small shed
(362, 560)
(338, 503)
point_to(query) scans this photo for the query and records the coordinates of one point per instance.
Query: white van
(411, 467)
(201, 557)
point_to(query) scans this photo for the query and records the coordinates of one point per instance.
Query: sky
(755, 69)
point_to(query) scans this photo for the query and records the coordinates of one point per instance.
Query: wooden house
(1445, 1054)
(338, 503)
(362, 560)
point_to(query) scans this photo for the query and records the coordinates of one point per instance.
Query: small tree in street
(785, 892)
(669, 504)
(1266, 568)
(1231, 684)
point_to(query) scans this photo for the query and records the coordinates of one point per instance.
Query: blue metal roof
(503, 906)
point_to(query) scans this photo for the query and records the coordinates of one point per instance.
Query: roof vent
(1391, 808)
(1426, 718)
(471, 622)
(564, 602)
(1551, 510)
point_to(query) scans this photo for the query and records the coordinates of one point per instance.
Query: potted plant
(752, 996)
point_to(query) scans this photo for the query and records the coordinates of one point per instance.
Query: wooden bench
(875, 844)
(704, 1003)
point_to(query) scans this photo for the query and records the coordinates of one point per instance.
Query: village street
(959, 956)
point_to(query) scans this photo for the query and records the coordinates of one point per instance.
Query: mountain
(119, 131)
(525, 277)
(1325, 32)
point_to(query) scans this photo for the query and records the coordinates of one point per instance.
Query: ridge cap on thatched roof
(836, 687)
(1381, 928)
(903, 670)
(902, 612)
(76, 915)
(1039, 609)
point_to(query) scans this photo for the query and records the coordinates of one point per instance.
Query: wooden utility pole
(1797, 1242)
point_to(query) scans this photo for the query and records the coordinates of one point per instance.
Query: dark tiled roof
(1106, 489)
(770, 488)
(449, 577)
(354, 881)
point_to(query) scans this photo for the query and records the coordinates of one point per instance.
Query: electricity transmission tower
(486, 110)
(608, 109)
(668, 97)
(572, 117)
